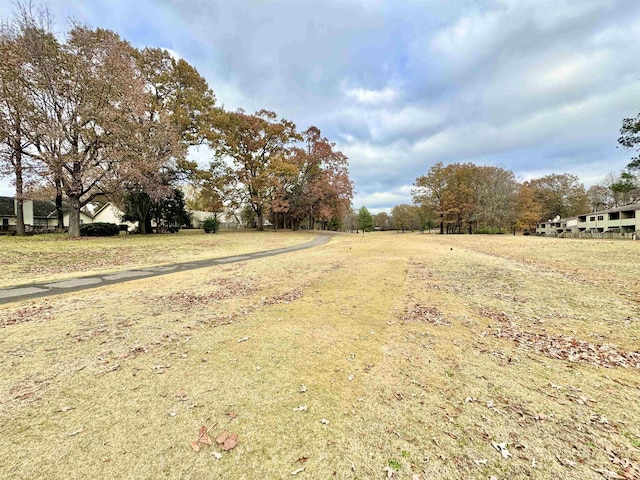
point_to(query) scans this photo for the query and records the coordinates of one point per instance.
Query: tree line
(467, 198)
(91, 118)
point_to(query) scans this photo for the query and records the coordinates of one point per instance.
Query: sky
(533, 86)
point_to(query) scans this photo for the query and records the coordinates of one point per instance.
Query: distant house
(227, 221)
(620, 221)
(38, 214)
(109, 213)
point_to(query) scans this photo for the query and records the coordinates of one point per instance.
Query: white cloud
(536, 86)
(372, 97)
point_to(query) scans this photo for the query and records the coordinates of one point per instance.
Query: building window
(600, 217)
(592, 219)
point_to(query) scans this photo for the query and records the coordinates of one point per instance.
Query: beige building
(109, 213)
(39, 215)
(615, 222)
(227, 221)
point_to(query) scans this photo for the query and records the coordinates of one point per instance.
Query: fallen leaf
(227, 440)
(324, 421)
(481, 462)
(203, 436)
(302, 459)
(298, 470)
(232, 414)
(243, 339)
(77, 431)
(350, 377)
(195, 446)
(389, 471)
(566, 462)
(502, 448)
(303, 388)
(609, 474)
(218, 455)
(301, 408)
(64, 409)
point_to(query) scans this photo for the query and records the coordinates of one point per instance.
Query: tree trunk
(59, 213)
(260, 222)
(74, 216)
(20, 230)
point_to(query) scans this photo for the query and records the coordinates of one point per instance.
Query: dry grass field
(43, 258)
(375, 356)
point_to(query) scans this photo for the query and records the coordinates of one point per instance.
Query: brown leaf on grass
(203, 436)
(562, 347)
(608, 474)
(29, 313)
(302, 459)
(195, 446)
(227, 440)
(425, 314)
(232, 414)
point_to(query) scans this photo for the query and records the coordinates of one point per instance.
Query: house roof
(104, 205)
(44, 208)
(7, 207)
(41, 208)
(630, 207)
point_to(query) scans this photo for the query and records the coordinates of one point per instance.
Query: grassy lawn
(429, 356)
(54, 256)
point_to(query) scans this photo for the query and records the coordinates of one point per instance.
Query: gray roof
(624, 208)
(7, 207)
(41, 208)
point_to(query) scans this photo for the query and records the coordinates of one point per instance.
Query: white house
(109, 213)
(227, 221)
(38, 214)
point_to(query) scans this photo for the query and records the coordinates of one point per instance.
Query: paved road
(26, 292)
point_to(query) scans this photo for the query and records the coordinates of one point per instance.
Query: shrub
(489, 231)
(99, 229)
(211, 225)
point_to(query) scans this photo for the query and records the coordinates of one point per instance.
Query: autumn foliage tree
(467, 196)
(315, 181)
(254, 143)
(560, 195)
(13, 111)
(89, 122)
(97, 118)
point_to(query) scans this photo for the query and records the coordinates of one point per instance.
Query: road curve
(38, 290)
